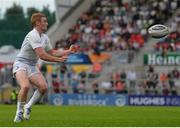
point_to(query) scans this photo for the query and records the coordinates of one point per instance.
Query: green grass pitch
(93, 116)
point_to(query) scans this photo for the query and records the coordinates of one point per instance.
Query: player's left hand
(73, 48)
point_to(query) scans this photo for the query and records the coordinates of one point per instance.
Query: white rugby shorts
(30, 69)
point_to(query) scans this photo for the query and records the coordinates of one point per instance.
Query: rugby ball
(158, 31)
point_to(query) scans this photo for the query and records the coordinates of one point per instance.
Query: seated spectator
(75, 83)
(95, 87)
(152, 80)
(131, 77)
(83, 76)
(57, 45)
(97, 67)
(171, 80)
(165, 89)
(116, 76)
(136, 41)
(63, 88)
(175, 73)
(120, 87)
(56, 86)
(54, 71)
(150, 69)
(106, 86)
(123, 76)
(81, 87)
(62, 70)
(163, 77)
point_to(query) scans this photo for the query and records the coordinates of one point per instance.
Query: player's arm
(72, 49)
(47, 57)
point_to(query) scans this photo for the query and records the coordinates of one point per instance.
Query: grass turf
(88, 116)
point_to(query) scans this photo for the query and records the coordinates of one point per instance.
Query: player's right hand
(62, 58)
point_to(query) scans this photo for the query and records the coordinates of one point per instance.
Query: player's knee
(25, 88)
(43, 90)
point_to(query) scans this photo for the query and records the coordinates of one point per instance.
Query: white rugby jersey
(31, 41)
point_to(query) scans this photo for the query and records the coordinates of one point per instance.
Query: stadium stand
(117, 27)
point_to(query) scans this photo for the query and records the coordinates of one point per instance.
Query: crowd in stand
(155, 83)
(163, 83)
(115, 25)
(122, 82)
(67, 81)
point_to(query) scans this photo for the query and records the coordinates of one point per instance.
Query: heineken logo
(158, 59)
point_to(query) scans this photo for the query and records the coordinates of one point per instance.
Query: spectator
(116, 76)
(54, 71)
(81, 87)
(123, 76)
(171, 80)
(75, 83)
(120, 87)
(83, 76)
(131, 77)
(152, 80)
(95, 87)
(56, 86)
(165, 89)
(106, 86)
(70, 73)
(63, 70)
(150, 69)
(136, 41)
(175, 73)
(163, 78)
(57, 45)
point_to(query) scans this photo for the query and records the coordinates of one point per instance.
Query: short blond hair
(36, 17)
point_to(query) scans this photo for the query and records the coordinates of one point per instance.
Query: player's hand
(73, 48)
(63, 58)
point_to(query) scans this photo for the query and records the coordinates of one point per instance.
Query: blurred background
(117, 62)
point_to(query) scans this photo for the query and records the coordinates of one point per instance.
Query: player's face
(43, 24)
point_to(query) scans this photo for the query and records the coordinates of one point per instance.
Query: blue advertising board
(143, 100)
(92, 100)
(78, 58)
